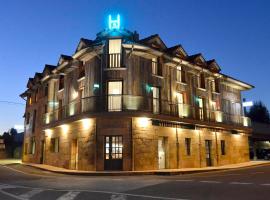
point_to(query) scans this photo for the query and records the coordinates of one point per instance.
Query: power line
(12, 103)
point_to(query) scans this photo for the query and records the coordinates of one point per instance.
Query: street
(22, 182)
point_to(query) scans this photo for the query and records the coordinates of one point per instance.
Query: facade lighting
(114, 23)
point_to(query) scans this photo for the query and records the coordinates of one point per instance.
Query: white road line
(69, 196)
(240, 183)
(210, 181)
(31, 193)
(11, 195)
(4, 186)
(258, 173)
(118, 197)
(266, 184)
(183, 180)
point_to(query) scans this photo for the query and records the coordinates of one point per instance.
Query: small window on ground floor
(54, 147)
(223, 147)
(188, 145)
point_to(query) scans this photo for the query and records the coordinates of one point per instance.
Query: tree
(259, 113)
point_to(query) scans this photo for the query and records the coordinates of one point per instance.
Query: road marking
(258, 173)
(4, 186)
(183, 180)
(210, 181)
(118, 197)
(240, 183)
(31, 193)
(68, 196)
(11, 195)
(266, 184)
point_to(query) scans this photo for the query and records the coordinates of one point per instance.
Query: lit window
(180, 74)
(156, 100)
(201, 81)
(115, 53)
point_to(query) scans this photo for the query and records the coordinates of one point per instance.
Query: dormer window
(61, 82)
(180, 74)
(115, 53)
(81, 72)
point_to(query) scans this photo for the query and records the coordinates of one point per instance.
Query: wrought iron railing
(131, 103)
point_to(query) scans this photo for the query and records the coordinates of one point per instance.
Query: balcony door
(156, 100)
(180, 103)
(114, 96)
(201, 105)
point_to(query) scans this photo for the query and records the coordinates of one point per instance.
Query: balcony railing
(114, 60)
(131, 103)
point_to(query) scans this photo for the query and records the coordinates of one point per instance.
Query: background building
(125, 103)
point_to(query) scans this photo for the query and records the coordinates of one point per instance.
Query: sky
(35, 32)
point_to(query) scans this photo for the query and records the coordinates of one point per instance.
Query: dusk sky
(35, 33)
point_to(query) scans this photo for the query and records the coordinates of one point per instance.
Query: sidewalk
(149, 172)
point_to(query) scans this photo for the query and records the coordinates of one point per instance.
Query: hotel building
(125, 103)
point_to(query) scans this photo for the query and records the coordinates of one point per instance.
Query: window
(113, 147)
(46, 90)
(30, 100)
(45, 108)
(81, 72)
(28, 118)
(61, 82)
(25, 148)
(180, 75)
(33, 145)
(54, 147)
(154, 66)
(115, 53)
(201, 81)
(223, 147)
(215, 86)
(34, 121)
(156, 100)
(188, 145)
(115, 96)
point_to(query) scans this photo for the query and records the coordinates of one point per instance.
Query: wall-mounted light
(74, 94)
(64, 128)
(143, 122)
(96, 86)
(86, 123)
(48, 133)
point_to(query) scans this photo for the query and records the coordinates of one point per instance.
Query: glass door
(156, 95)
(180, 104)
(113, 153)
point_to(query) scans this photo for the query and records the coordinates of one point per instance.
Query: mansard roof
(64, 58)
(177, 51)
(154, 41)
(84, 43)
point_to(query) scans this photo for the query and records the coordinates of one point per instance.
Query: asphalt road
(21, 182)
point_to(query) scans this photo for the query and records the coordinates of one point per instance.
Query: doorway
(74, 154)
(42, 152)
(113, 153)
(161, 152)
(208, 147)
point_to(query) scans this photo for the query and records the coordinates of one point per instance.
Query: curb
(140, 173)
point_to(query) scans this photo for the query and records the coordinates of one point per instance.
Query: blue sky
(34, 33)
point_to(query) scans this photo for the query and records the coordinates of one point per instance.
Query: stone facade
(145, 107)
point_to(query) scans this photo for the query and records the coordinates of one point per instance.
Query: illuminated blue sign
(114, 23)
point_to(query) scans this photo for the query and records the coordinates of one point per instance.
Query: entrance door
(161, 153)
(114, 96)
(74, 154)
(113, 153)
(42, 152)
(208, 146)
